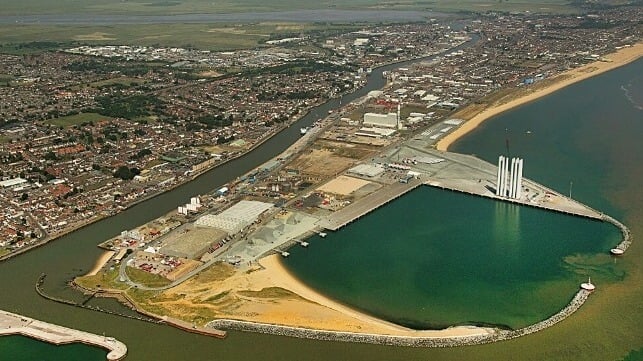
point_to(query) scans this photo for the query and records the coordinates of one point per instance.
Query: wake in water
(633, 94)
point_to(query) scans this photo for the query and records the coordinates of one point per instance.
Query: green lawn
(146, 278)
(5, 79)
(102, 280)
(77, 119)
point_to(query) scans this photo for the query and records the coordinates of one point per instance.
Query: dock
(14, 324)
(562, 204)
(367, 204)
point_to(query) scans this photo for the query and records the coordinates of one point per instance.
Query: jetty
(367, 204)
(14, 324)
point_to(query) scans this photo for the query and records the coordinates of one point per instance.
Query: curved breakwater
(627, 235)
(407, 341)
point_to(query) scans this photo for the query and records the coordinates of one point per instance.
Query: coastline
(281, 277)
(614, 60)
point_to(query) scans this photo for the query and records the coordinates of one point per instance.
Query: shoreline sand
(100, 262)
(281, 277)
(617, 59)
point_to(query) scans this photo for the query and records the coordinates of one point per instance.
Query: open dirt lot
(343, 185)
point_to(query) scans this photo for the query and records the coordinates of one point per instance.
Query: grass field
(202, 36)
(146, 278)
(102, 280)
(77, 119)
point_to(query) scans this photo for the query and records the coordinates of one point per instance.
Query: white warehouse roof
(368, 170)
(12, 182)
(235, 218)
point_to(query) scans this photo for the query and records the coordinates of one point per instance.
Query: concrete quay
(474, 176)
(367, 204)
(13, 324)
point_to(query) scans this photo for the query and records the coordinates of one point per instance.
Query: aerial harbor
(404, 183)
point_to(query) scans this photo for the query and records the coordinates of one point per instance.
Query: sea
(435, 258)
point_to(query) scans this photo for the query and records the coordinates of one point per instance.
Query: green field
(146, 278)
(33, 38)
(77, 119)
(23, 38)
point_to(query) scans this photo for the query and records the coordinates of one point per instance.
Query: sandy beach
(100, 262)
(268, 293)
(528, 94)
(282, 278)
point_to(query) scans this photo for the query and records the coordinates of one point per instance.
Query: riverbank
(100, 262)
(524, 95)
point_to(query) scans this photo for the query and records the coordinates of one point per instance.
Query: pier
(367, 204)
(565, 205)
(13, 324)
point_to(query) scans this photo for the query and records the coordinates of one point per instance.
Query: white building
(235, 218)
(375, 120)
(12, 182)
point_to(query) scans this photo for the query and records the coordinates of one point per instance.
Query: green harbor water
(588, 133)
(435, 258)
(20, 348)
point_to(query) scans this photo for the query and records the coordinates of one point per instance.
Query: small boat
(303, 131)
(617, 251)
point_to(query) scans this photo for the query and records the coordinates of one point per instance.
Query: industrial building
(12, 182)
(375, 120)
(367, 170)
(235, 218)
